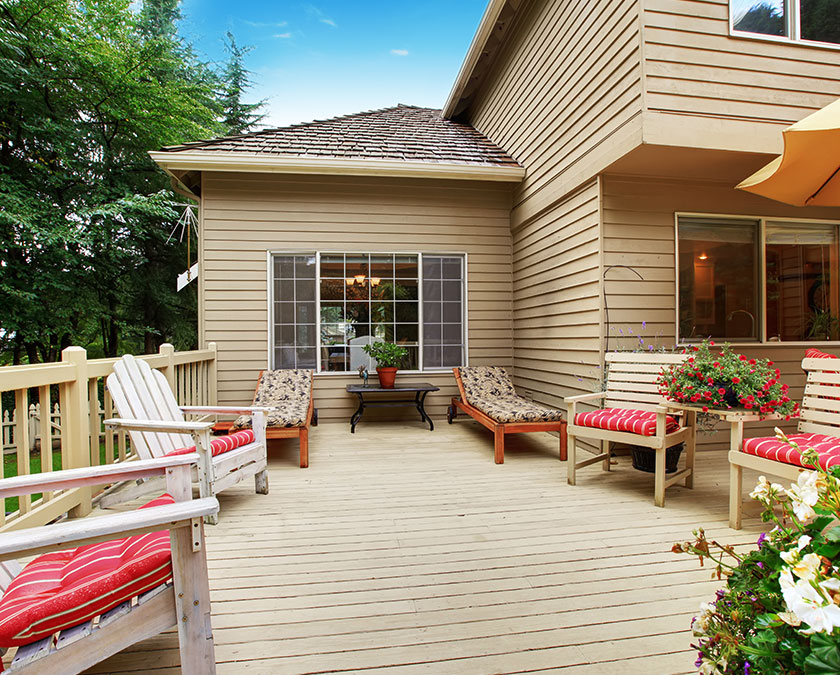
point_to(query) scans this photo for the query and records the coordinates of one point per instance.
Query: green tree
(764, 18)
(87, 87)
(820, 20)
(239, 117)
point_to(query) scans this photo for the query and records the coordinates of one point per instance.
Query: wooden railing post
(168, 351)
(74, 412)
(213, 376)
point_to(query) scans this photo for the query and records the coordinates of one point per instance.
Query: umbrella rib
(819, 189)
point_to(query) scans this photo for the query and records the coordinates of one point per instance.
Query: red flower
(721, 391)
(736, 380)
(712, 343)
(752, 362)
(705, 408)
(741, 357)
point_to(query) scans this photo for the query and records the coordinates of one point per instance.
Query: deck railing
(72, 401)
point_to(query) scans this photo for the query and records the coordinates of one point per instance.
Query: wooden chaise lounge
(289, 392)
(818, 428)
(488, 396)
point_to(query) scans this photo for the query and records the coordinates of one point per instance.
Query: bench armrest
(94, 475)
(585, 397)
(224, 409)
(55, 537)
(157, 425)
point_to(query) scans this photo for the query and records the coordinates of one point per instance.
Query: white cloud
(399, 52)
(313, 11)
(282, 36)
(258, 24)
(329, 22)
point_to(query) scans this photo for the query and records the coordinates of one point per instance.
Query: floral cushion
(489, 389)
(62, 589)
(290, 391)
(828, 448)
(219, 446)
(641, 422)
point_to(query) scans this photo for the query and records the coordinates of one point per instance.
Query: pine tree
(239, 117)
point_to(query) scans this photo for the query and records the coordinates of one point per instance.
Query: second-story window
(798, 20)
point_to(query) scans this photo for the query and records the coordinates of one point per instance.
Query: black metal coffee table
(419, 389)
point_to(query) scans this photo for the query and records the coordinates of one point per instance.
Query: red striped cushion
(813, 353)
(828, 448)
(221, 445)
(65, 588)
(639, 422)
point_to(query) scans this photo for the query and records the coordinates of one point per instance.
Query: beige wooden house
(583, 164)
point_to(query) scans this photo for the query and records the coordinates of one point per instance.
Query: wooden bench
(631, 385)
(501, 429)
(819, 414)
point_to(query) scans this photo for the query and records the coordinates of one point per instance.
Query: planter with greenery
(388, 357)
(779, 610)
(725, 379)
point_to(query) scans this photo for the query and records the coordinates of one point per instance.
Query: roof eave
(485, 29)
(245, 162)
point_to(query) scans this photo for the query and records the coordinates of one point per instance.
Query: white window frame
(270, 255)
(792, 12)
(762, 272)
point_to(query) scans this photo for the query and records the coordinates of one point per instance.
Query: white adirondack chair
(156, 425)
(183, 602)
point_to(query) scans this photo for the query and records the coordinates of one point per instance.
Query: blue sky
(318, 60)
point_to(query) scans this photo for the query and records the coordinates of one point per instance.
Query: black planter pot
(644, 459)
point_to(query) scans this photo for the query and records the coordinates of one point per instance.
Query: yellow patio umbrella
(807, 173)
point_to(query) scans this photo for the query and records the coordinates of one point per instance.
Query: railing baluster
(22, 442)
(93, 420)
(46, 434)
(108, 411)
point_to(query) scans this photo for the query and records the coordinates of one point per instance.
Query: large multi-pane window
(329, 305)
(757, 279)
(807, 20)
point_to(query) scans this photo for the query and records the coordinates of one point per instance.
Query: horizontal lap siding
(244, 216)
(556, 299)
(562, 96)
(638, 221)
(695, 70)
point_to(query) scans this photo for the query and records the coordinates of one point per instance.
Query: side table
(419, 389)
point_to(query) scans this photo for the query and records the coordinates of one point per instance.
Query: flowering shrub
(726, 380)
(779, 611)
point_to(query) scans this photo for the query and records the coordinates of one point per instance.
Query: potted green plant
(388, 357)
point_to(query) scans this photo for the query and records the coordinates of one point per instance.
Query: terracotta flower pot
(386, 377)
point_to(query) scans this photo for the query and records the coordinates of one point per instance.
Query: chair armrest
(55, 537)
(94, 475)
(157, 425)
(585, 397)
(223, 409)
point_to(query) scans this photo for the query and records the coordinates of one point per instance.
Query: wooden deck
(407, 551)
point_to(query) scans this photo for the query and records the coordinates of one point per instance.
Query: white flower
(811, 603)
(790, 619)
(808, 567)
(765, 490)
(700, 626)
(804, 494)
(803, 541)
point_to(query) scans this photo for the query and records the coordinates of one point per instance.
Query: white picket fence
(34, 422)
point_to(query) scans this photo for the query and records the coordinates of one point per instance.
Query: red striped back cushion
(63, 589)
(828, 448)
(814, 353)
(221, 445)
(639, 422)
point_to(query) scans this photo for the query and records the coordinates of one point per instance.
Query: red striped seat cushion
(639, 422)
(813, 353)
(63, 589)
(221, 445)
(828, 448)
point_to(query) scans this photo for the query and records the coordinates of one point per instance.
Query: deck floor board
(400, 551)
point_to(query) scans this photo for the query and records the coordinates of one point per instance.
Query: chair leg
(659, 478)
(304, 447)
(499, 444)
(192, 603)
(261, 482)
(605, 450)
(736, 474)
(571, 467)
(563, 444)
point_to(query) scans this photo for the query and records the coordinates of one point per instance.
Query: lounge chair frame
(501, 429)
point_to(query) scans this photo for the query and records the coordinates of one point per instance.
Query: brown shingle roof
(403, 133)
